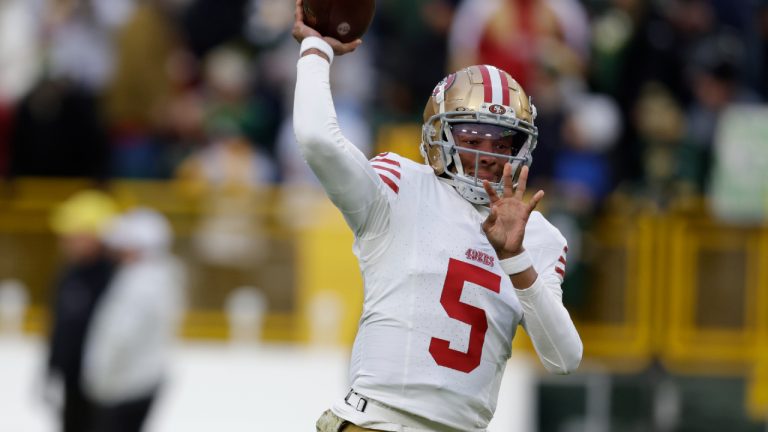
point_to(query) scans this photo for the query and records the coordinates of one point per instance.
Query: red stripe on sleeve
(395, 172)
(487, 87)
(562, 260)
(560, 271)
(565, 249)
(385, 160)
(504, 88)
(388, 181)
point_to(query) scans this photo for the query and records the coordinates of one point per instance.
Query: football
(345, 20)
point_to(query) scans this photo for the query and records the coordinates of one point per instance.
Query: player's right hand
(505, 225)
(301, 31)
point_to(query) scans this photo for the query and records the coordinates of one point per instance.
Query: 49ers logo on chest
(479, 256)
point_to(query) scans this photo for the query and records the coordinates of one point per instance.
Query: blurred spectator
(137, 97)
(58, 131)
(660, 124)
(210, 23)
(135, 323)
(19, 49)
(516, 35)
(636, 43)
(230, 109)
(267, 21)
(543, 44)
(717, 81)
(228, 163)
(19, 62)
(582, 167)
(228, 170)
(229, 159)
(414, 36)
(78, 39)
(79, 223)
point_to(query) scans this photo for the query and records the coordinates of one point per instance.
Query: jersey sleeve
(545, 319)
(348, 178)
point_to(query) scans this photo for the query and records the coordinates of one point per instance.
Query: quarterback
(453, 256)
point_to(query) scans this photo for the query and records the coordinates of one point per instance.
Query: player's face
(488, 139)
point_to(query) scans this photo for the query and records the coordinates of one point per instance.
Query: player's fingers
(535, 200)
(522, 182)
(342, 48)
(298, 22)
(509, 186)
(490, 191)
(351, 46)
(299, 10)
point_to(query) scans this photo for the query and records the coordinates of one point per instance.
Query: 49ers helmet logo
(445, 84)
(497, 109)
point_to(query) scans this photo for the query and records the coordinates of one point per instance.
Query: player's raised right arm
(343, 170)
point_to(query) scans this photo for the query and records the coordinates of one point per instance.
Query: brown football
(345, 20)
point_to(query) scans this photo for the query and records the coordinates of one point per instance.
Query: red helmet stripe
(487, 86)
(504, 88)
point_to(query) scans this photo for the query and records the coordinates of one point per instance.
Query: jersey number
(460, 272)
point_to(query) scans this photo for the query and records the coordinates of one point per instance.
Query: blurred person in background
(422, 232)
(659, 122)
(19, 64)
(228, 171)
(87, 270)
(582, 170)
(136, 101)
(405, 30)
(129, 343)
(59, 129)
(517, 35)
(717, 79)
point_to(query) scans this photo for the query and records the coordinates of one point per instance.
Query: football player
(453, 256)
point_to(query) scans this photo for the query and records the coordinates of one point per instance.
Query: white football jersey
(439, 314)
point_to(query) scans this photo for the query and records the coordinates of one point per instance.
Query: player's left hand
(505, 226)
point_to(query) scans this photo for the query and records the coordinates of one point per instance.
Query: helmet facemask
(520, 140)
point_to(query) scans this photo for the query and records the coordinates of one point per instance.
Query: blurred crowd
(629, 96)
(628, 91)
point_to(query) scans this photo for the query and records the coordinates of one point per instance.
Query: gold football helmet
(478, 94)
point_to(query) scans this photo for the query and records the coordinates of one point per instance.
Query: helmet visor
(503, 141)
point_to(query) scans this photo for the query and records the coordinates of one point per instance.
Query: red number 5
(458, 273)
